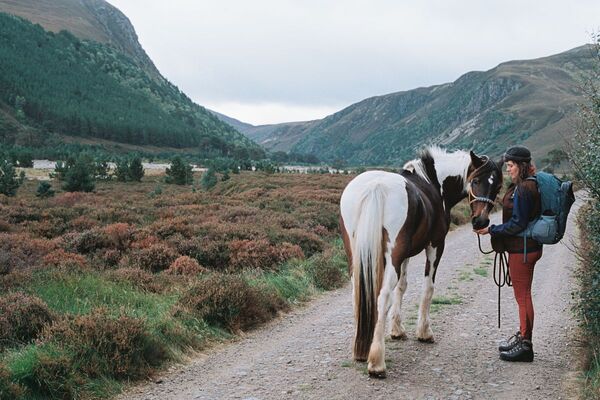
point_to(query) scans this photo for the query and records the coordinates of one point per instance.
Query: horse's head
(483, 184)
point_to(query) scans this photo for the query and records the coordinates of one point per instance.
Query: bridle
(472, 197)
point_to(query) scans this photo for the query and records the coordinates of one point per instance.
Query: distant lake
(51, 165)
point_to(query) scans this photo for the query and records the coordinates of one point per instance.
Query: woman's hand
(483, 231)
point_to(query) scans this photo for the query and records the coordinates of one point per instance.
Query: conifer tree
(9, 183)
(136, 169)
(179, 172)
(80, 177)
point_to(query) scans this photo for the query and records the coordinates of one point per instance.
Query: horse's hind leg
(398, 331)
(376, 360)
(424, 332)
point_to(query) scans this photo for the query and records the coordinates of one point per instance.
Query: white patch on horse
(445, 164)
(491, 179)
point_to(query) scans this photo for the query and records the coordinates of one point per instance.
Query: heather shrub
(18, 251)
(85, 242)
(82, 223)
(230, 301)
(4, 226)
(22, 318)
(8, 389)
(185, 265)
(329, 270)
(104, 345)
(64, 260)
(139, 278)
(308, 242)
(110, 257)
(260, 254)
(52, 375)
(119, 235)
(212, 253)
(155, 258)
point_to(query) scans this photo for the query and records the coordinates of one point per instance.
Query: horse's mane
(445, 164)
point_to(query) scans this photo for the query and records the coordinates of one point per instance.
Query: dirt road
(306, 354)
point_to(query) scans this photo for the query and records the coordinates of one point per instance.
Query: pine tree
(209, 179)
(80, 177)
(136, 169)
(9, 183)
(179, 173)
(44, 190)
(122, 170)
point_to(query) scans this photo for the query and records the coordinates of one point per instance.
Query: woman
(520, 205)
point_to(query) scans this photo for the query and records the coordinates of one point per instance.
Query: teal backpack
(556, 200)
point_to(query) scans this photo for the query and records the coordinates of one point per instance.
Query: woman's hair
(526, 169)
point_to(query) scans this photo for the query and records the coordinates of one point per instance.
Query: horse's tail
(367, 265)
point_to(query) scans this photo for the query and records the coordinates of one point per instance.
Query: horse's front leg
(398, 332)
(424, 332)
(376, 360)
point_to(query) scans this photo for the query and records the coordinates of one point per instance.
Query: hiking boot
(511, 342)
(523, 351)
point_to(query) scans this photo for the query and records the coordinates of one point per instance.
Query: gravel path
(306, 354)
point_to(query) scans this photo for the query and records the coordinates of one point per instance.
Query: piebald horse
(386, 218)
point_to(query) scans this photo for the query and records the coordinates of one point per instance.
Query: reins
(501, 273)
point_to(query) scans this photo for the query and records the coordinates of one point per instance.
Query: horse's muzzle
(480, 222)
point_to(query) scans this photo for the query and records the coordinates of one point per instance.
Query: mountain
(94, 20)
(92, 80)
(532, 102)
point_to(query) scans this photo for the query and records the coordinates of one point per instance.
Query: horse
(386, 218)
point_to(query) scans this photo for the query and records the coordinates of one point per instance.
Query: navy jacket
(520, 205)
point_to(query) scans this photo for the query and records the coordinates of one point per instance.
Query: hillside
(94, 20)
(530, 102)
(56, 84)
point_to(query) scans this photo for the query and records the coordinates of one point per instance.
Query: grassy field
(98, 289)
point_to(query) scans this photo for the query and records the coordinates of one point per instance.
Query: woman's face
(513, 170)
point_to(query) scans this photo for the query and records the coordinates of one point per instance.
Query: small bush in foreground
(106, 346)
(22, 318)
(328, 269)
(230, 301)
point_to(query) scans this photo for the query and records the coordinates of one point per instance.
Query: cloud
(318, 54)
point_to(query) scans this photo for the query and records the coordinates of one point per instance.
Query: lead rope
(501, 275)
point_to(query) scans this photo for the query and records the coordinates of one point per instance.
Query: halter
(472, 197)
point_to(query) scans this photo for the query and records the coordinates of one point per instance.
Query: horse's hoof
(399, 337)
(426, 340)
(377, 374)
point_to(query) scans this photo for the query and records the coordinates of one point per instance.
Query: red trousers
(521, 275)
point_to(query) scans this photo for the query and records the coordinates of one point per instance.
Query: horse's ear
(476, 160)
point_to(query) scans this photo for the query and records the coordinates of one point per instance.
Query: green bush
(585, 157)
(44, 190)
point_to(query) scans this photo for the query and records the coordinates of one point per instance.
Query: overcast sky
(268, 61)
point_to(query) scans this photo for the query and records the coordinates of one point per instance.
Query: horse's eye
(476, 181)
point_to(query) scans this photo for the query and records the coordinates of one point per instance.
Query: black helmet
(518, 154)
